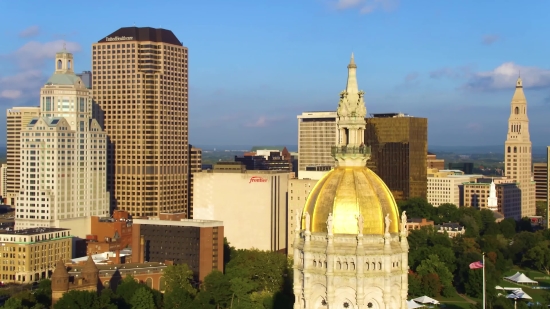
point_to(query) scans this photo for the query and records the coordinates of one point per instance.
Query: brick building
(170, 238)
(109, 234)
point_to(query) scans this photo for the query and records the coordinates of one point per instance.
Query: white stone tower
(350, 246)
(492, 201)
(518, 153)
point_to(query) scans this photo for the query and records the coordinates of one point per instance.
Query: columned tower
(518, 153)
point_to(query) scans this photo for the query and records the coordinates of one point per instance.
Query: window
(516, 110)
(59, 64)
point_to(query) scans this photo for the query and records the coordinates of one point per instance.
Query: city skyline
(427, 61)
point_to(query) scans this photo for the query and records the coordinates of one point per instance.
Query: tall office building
(518, 153)
(3, 181)
(399, 144)
(16, 118)
(317, 132)
(140, 83)
(540, 174)
(86, 77)
(62, 157)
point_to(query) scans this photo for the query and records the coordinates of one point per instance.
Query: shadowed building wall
(399, 144)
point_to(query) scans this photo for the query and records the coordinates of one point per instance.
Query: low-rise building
(445, 186)
(109, 233)
(452, 229)
(86, 275)
(251, 204)
(197, 243)
(417, 223)
(433, 162)
(29, 255)
(477, 192)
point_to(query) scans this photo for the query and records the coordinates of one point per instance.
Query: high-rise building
(16, 118)
(540, 174)
(140, 83)
(350, 242)
(86, 77)
(195, 166)
(548, 187)
(478, 192)
(316, 134)
(3, 181)
(399, 144)
(62, 157)
(518, 153)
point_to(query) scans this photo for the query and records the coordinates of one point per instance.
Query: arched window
(69, 66)
(367, 265)
(515, 149)
(509, 149)
(59, 64)
(516, 110)
(379, 266)
(149, 282)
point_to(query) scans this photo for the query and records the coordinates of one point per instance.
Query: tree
(417, 207)
(126, 289)
(447, 213)
(539, 257)
(142, 299)
(431, 285)
(432, 265)
(508, 227)
(22, 300)
(178, 298)
(218, 288)
(415, 285)
(542, 209)
(179, 275)
(43, 292)
(78, 300)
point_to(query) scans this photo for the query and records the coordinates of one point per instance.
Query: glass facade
(399, 146)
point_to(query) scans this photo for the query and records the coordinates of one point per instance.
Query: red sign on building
(257, 179)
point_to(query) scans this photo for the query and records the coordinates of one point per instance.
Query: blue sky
(255, 65)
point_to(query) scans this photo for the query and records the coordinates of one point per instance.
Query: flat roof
(182, 222)
(144, 34)
(34, 231)
(319, 114)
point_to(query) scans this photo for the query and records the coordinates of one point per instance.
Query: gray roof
(63, 79)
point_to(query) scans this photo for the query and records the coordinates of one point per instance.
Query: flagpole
(483, 261)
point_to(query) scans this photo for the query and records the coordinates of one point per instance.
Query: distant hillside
(537, 150)
(241, 147)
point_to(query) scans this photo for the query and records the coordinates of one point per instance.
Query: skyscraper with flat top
(517, 149)
(140, 83)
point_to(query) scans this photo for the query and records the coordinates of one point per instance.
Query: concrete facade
(445, 186)
(518, 152)
(16, 119)
(29, 255)
(63, 156)
(476, 194)
(298, 191)
(252, 205)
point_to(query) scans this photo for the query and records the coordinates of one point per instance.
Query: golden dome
(345, 192)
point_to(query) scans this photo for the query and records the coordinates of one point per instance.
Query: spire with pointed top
(90, 265)
(351, 87)
(60, 270)
(492, 201)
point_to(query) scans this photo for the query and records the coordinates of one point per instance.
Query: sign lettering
(257, 179)
(119, 38)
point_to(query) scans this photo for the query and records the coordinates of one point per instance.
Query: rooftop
(34, 231)
(182, 222)
(101, 258)
(142, 34)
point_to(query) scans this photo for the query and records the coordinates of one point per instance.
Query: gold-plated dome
(345, 192)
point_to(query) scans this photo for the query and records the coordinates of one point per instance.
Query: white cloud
(264, 121)
(34, 54)
(30, 59)
(505, 76)
(29, 32)
(10, 94)
(367, 6)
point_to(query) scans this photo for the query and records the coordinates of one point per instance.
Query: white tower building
(350, 245)
(518, 154)
(492, 201)
(62, 157)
